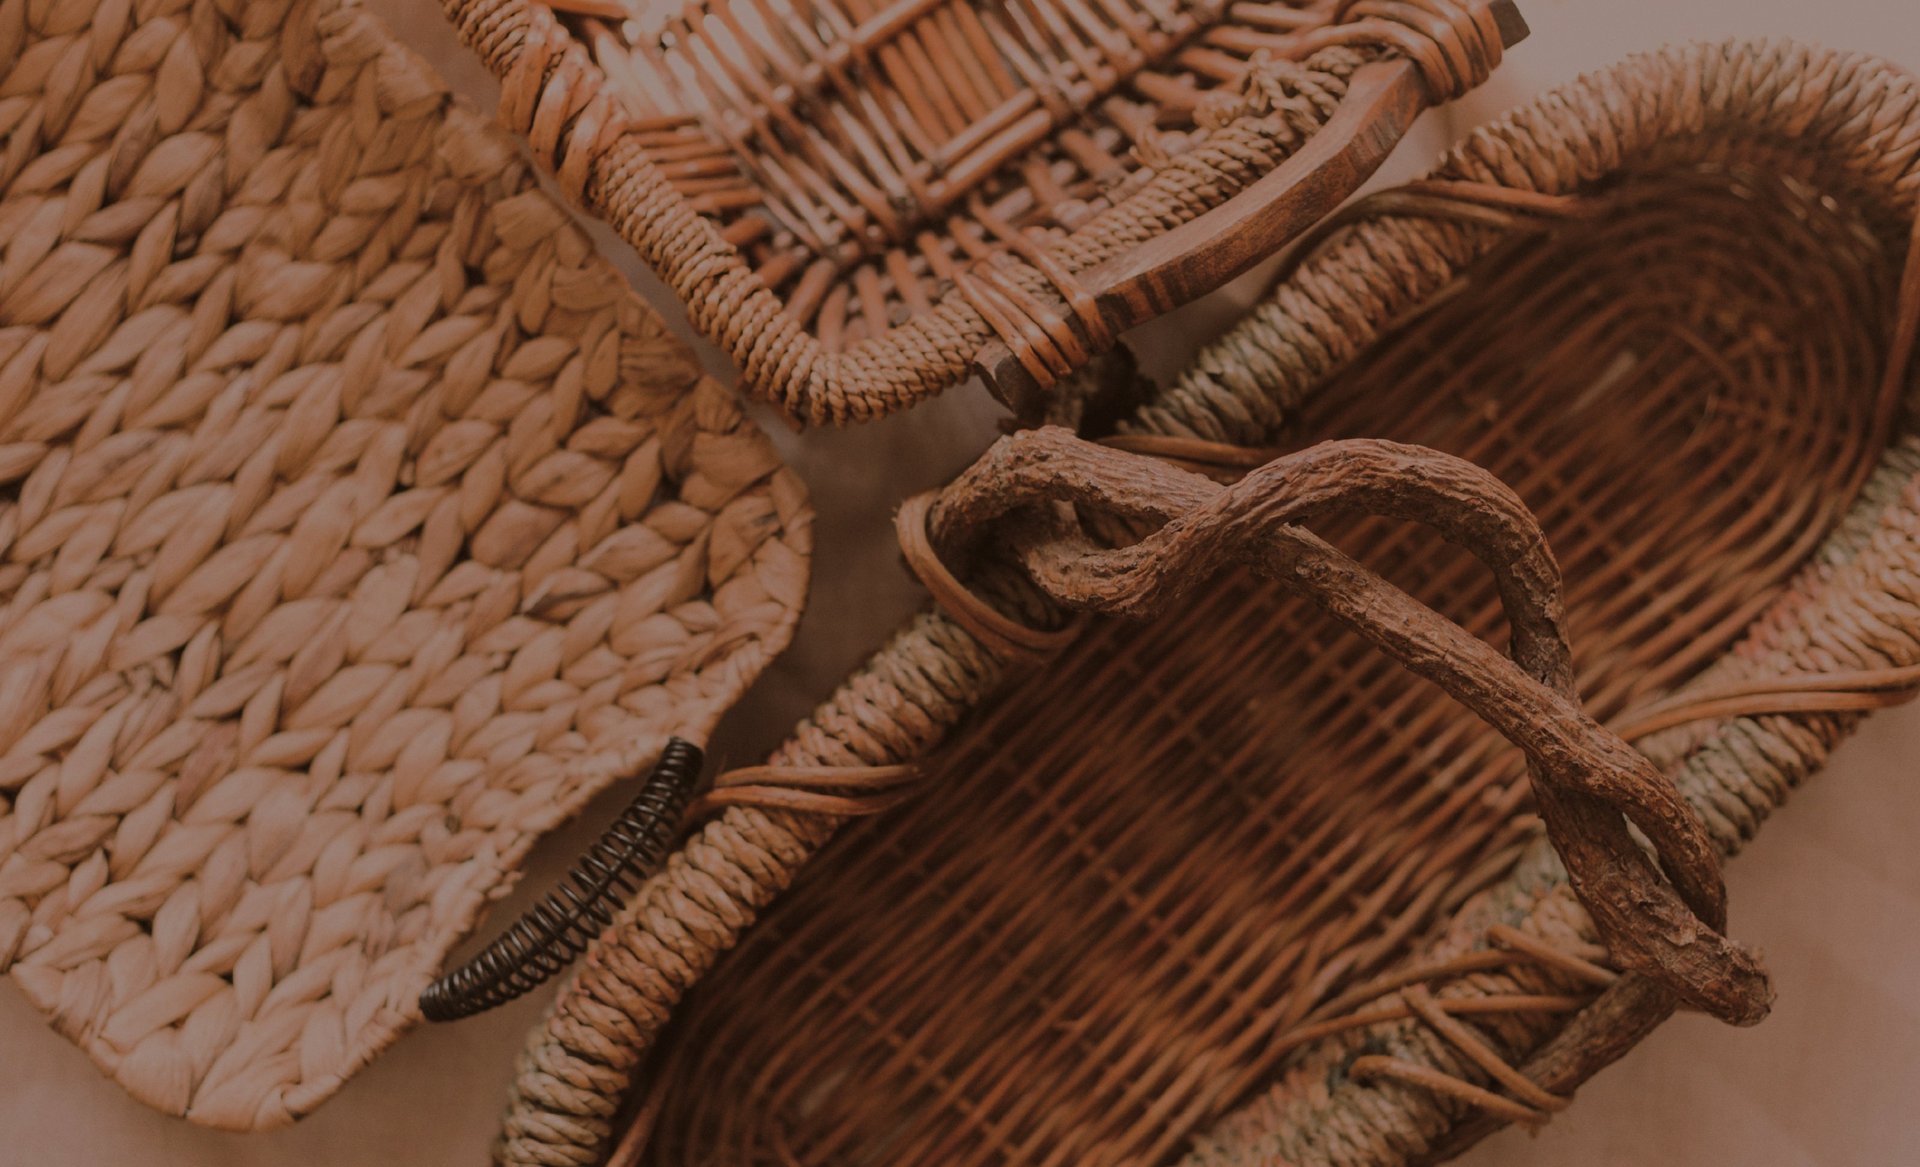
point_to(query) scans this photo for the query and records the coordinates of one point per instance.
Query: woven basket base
(1138, 869)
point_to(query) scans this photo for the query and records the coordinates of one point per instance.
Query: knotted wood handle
(1031, 491)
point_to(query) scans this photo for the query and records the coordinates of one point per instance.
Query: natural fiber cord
(359, 524)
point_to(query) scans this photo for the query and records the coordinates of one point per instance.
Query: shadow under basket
(1231, 885)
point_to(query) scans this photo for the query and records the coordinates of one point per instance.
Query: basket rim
(1846, 107)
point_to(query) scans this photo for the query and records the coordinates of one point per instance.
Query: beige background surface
(1831, 892)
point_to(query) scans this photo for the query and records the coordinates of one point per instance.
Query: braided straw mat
(359, 523)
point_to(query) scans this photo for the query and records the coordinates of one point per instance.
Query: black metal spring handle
(553, 933)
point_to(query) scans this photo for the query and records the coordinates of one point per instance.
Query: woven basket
(857, 200)
(1232, 886)
(359, 524)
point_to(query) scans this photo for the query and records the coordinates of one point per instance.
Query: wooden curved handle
(1201, 255)
(1588, 783)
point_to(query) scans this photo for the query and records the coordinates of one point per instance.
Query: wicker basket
(359, 525)
(1231, 884)
(857, 200)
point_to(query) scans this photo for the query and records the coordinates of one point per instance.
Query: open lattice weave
(359, 523)
(1233, 885)
(853, 198)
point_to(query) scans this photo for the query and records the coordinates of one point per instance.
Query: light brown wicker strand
(1840, 691)
(996, 632)
(842, 791)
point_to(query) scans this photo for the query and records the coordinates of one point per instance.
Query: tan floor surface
(1831, 891)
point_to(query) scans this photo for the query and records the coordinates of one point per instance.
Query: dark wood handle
(1588, 783)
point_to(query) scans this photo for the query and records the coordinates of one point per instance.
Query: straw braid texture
(916, 994)
(827, 186)
(359, 524)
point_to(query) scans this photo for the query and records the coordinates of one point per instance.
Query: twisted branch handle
(1030, 490)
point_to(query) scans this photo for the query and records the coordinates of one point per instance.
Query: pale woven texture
(1691, 418)
(359, 524)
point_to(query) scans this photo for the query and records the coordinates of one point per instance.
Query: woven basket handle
(1031, 490)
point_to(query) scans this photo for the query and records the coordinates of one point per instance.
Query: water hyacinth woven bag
(357, 523)
(1221, 810)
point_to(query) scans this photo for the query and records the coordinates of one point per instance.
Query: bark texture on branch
(1032, 493)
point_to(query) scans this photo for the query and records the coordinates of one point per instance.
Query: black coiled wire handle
(554, 932)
